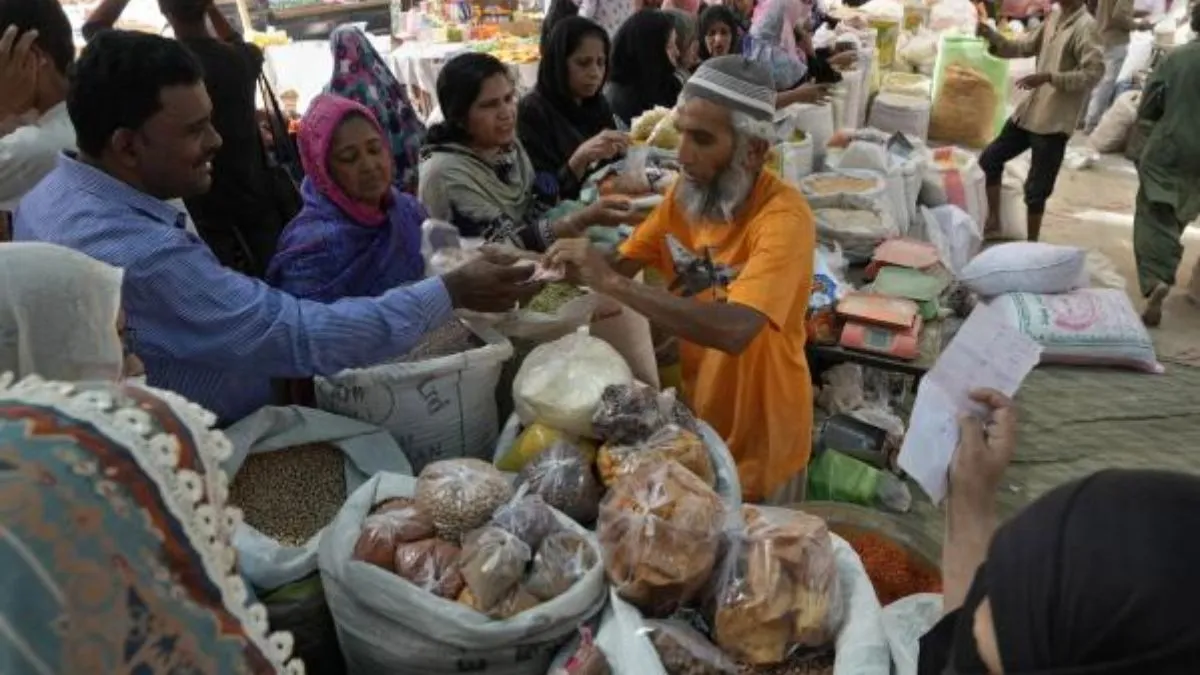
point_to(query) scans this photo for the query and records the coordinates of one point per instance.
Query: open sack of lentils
(291, 495)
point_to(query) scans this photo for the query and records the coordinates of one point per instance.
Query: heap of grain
(291, 494)
(964, 109)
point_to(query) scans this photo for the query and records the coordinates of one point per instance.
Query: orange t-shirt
(760, 401)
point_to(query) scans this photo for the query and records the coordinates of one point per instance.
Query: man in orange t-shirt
(737, 245)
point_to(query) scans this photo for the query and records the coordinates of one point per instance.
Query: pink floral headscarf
(317, 127)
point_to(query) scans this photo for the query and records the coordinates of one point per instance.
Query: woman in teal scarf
(116, 549)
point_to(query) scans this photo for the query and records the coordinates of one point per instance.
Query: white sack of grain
(440, 408)
(387, 625)
(368, 449)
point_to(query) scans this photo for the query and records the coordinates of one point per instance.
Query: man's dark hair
(188, 11)
(47, 17)
(118, 81)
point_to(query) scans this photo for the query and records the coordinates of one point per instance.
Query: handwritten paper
(985, 354)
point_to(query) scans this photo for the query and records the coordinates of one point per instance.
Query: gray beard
(718, 201)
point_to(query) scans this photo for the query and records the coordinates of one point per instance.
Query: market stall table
(418, 63)
(306, 66)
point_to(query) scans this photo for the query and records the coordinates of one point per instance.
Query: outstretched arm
(105, 16)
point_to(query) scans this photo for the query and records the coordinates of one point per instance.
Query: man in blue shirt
(142, 119)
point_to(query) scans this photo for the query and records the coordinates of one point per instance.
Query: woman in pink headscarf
(357, 235)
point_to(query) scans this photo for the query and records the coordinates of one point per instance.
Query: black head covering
(714, 15)
(559, 10)
(591, 116)
(639, 55)
(1098, 577)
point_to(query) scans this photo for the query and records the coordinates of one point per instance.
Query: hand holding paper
(986, 354)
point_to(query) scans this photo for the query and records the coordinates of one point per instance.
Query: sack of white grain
(905, 168)
(901, 113)
(906, 84)
(438, 401)
(387, 625)
(861, 647)
(816, 121)
(853, 209)
(291, 470)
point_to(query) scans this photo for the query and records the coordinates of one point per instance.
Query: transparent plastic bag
(562, 560)
(660, 529)
(377, 542)
(632, 413)
(411, 522)
(535, 440)
(527, 517)
(560, 384)
(562, 475)
(777, 587)
(513, 603)
(461, 495)
(683, 649)
(493, 563)
(433, 566)
(668, 443)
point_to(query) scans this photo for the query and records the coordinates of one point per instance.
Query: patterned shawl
(362, 75)
(116, 549)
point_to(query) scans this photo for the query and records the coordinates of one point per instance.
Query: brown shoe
(1152, 314)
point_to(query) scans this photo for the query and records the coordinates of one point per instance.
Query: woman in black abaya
(1097, 577)
(565, 123)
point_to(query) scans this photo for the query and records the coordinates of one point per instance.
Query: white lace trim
(198, 502)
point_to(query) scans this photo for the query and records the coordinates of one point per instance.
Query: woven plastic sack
(970, 92)
(435, 409)
(1090, 326)
(905, 622)
(855, 223)
(816, 121)
(901, 113)
(957, 179)
(266, 563)
(560, 384)
(387, 625)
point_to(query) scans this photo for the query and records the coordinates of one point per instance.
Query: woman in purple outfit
(357, 235)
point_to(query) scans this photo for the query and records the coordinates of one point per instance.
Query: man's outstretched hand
(491, 283)
(585, 264)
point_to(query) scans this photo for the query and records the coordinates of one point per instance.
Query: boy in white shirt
(36, 48)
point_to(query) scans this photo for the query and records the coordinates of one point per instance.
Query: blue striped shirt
(213, 335)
